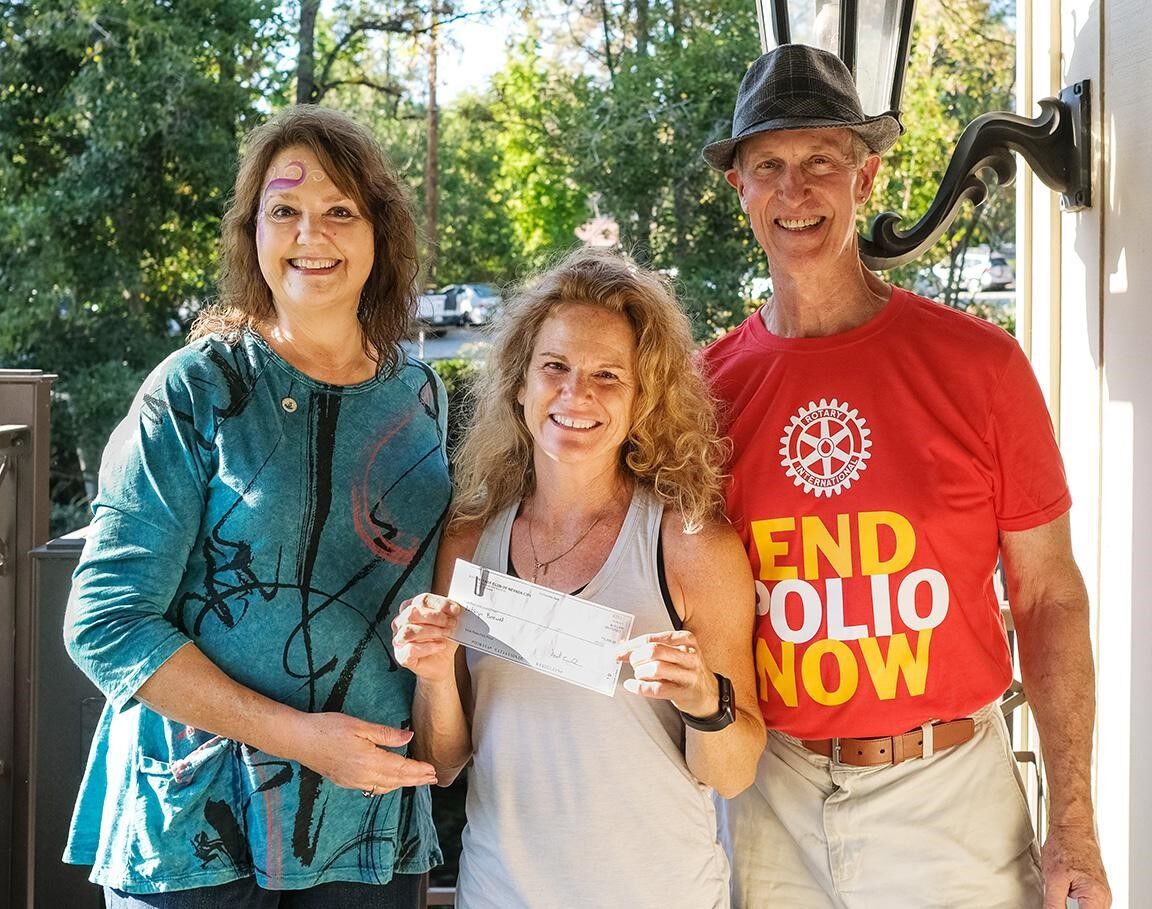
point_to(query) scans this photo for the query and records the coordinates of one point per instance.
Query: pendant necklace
(541, 567)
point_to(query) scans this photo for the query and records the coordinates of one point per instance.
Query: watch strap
(725, 715)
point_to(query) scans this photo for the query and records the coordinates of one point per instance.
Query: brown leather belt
(892, 749)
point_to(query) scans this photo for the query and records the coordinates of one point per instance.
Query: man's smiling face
(801, 189)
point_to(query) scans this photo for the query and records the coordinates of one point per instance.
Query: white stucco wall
(1125, 623)
(1087, 320)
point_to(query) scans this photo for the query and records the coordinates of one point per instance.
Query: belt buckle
(835, 751)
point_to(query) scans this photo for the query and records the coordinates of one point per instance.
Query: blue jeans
(402, 892)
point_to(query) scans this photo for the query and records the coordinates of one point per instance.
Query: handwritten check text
(563, 636)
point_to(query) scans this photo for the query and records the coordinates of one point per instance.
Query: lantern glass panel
(877, 43)
(812, 22)
(876, 54)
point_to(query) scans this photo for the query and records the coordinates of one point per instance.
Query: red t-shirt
(872, 474)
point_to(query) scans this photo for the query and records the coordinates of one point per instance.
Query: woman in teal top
(276, 491)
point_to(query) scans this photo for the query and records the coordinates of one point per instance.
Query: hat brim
(879, 134)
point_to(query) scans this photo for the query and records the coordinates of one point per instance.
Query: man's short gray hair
(860, 151)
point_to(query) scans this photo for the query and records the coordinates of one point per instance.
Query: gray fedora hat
(800, 87)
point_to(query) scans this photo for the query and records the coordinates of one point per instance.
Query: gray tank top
(576, 799)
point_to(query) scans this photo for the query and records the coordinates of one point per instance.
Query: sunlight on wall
(1113, 637)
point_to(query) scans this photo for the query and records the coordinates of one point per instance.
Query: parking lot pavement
(468, 343)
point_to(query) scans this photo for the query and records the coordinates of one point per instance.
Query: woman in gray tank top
(592, 466)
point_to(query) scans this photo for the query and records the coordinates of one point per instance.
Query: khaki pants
(951, 830)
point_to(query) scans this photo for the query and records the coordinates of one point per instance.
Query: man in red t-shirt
(887, 452)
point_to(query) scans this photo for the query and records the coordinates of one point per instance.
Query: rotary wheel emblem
(825, 446)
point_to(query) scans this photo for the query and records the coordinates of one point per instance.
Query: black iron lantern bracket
(1057, 146)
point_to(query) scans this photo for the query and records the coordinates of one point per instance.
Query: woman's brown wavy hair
(672, 447)
(356, 163)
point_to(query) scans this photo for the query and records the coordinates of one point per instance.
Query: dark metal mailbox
(65, 710)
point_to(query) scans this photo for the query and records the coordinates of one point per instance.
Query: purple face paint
(279, 183)
(285, 182)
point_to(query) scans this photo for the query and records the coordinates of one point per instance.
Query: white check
(555, 633)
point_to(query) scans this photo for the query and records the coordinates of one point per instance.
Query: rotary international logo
(825, 446)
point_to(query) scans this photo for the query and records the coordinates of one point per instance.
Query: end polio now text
(800, 603)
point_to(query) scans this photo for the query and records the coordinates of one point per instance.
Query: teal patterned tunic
(277, 522)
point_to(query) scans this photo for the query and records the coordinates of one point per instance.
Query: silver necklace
(541, 567)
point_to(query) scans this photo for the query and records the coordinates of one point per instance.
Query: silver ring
(368, 793)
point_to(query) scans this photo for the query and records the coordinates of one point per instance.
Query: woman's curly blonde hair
(673, 446)
(356, 163)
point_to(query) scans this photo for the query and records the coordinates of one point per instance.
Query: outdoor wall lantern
(872, 37)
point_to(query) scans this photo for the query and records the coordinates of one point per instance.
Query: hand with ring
(357, 754)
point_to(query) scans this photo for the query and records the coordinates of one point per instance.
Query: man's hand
(1050, 608)
(1072, 868)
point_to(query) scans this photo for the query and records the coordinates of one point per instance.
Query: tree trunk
(641, 29)
(955, 270)
(607, 41)
(432, 165)
(306, 61)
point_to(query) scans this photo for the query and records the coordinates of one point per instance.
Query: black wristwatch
(722, 718)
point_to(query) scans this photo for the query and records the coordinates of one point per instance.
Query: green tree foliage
(521, 161)
(351, 43)
(119, 121)
(478, 239)
(118, 132)
(667, 78)
(509, 199)
(536, 114)
(961, 65)
(457, 375)
(670, 88)
(382, 80)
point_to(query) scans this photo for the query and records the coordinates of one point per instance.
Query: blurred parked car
(981, 270)
(999, 274)
(926, 284)
(431, 315)
(471, 304)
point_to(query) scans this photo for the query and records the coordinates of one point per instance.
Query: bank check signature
(563, 636)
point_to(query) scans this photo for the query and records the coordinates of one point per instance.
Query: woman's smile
(314, 266)
(573, 423)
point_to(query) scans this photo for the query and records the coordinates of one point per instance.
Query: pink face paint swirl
(277, 184)
(287, 182)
